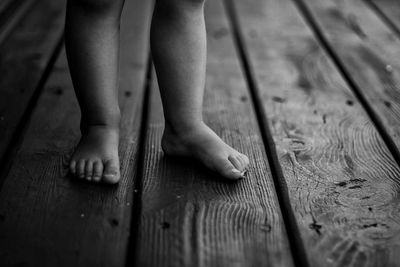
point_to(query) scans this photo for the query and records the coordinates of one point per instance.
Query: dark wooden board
(50, 219)
(390, 9)
(11, 12)
(24, 56)
(343, 181)
(191, 217)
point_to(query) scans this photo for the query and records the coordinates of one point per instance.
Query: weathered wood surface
(11, 12)
(369, 53)
(50, 219)
(24, 56)
(342, 179)
(191, 217)
(390, 9)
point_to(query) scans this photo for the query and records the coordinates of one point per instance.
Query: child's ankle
(112, 124)
(182, 128)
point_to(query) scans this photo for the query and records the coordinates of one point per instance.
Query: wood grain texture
(50, 219)
(369, 53)
(343, 182)
(24, 56)
(11, 13)
(190, 216)
(390, 8)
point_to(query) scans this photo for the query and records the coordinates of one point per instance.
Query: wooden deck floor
(309, 89)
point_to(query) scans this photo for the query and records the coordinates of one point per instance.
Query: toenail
(109, 175)
(235, 171)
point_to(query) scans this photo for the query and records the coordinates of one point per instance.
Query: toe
(227, 169)
(80, 168)
(89, 170)
(97, 171)
(72, 167)
(245, 160)
(235, 160)
(111, 172)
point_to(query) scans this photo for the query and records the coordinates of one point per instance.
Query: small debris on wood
(220, 33)
(316, 227)
(114, 222)
(357, 180)
(58, 91)
(165, 225)
(278, 99)
(370, 225)
(266, 228)
(343, 183)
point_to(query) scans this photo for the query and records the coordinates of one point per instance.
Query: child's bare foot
(202, 143)
(96, 157)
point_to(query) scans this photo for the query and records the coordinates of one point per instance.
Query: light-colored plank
(190, 216)
(390, 9)
(369, 53)
(343, 182)
(49, 219)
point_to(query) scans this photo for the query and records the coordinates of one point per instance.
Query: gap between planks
(384, 17)
(18, 136)
(22, 125)
(292, 229)
(327, 151)
(10, 15)
(97, 218)
(326, 45)
(137, 191)
(189, 216)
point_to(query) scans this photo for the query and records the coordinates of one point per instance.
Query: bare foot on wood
(96, 156)
(203, 144)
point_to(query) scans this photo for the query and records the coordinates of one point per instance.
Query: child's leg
(178, 42)
(92, 40)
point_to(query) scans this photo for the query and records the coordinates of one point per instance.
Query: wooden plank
(390, 9)
(11, 12)
(24, 57)
(49, 219)
(342, 180)
(190, 217)
(368, 52)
